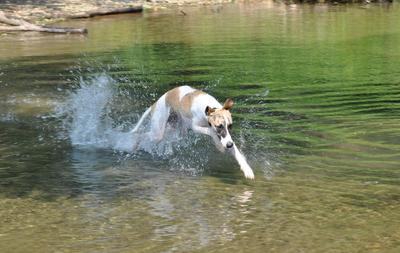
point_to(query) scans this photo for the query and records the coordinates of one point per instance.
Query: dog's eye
(230, 126)
(220, 126)
(209, 123)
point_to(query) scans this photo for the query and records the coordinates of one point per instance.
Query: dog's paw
(248, 172)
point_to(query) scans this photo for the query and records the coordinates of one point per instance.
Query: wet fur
(196, 110)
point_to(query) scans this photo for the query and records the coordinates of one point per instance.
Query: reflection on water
(316, 113)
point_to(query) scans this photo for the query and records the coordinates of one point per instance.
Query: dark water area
(316, 91)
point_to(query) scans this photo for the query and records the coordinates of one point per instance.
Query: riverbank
(49, 11)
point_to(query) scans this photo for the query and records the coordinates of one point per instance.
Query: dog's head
(220, 120)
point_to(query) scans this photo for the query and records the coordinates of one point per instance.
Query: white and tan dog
(198, 111)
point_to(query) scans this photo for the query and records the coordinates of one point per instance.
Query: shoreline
(44, 12)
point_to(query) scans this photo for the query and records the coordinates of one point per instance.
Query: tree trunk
(90, 14)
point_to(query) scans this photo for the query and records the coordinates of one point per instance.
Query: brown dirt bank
(47, 11)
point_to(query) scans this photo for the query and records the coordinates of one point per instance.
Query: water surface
(316, 90)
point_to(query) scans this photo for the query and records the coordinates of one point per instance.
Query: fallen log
(90, 14)
(22, 25)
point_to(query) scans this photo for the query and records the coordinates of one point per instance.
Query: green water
(317, 92)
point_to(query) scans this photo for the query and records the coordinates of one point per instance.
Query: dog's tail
(145, 114)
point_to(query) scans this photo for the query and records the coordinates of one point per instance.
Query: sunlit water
(316, 113)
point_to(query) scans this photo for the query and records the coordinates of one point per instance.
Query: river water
(317, 114)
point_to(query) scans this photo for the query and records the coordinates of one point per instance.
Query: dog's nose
(229, 144)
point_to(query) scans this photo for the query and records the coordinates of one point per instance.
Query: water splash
(87, 106)
(88, 119)
(94, 118)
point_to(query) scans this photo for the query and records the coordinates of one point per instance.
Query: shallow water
(317, 93)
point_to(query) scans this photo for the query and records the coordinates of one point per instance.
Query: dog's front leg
(207, 131)
(201, 130)
(244, 166)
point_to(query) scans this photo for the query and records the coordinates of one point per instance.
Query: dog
(198, 111)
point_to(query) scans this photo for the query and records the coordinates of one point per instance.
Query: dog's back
(186, 100)
(173, 97)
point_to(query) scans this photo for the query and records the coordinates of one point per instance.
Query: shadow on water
(21, 169)
(48, 172)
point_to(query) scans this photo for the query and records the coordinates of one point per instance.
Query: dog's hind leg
(140, 122)
(158, 121)
(137, 138)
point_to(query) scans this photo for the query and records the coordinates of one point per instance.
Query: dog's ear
(209, 110)
(228, 104)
